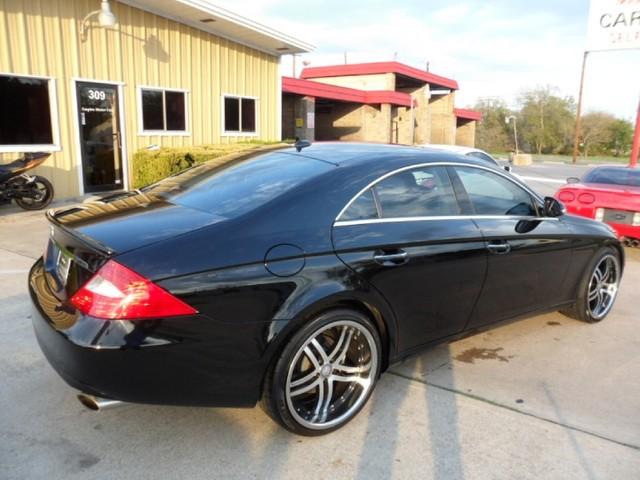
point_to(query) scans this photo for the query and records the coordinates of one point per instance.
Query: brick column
(466, 133)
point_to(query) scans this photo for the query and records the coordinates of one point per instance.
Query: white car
(468, 152)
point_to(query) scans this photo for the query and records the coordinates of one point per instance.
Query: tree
(546, 120)
(492, 133)
(596, 133)
(621, 137)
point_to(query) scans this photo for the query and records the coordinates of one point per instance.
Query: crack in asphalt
(513, 409)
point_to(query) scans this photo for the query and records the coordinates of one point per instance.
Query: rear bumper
(627, 231)
(181, 361)
(622, 230)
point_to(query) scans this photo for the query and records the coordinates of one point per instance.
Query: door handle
(397, 257)
(499, 248)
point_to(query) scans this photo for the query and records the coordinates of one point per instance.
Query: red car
(608, 194)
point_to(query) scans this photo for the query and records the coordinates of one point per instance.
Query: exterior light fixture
(106, 18)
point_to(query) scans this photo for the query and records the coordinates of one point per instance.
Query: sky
(493, 48)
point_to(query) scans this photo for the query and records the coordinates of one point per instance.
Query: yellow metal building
(167, 73)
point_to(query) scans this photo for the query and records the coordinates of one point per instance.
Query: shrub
(149, 166)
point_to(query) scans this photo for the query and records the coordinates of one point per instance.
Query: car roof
(356, 153)
(451, 148)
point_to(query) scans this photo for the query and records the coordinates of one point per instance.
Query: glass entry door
(100, 137)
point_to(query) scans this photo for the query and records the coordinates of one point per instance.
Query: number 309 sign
(97, 95)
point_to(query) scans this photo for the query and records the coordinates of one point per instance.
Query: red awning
(332, 92)
(467, 114)
(379, 67)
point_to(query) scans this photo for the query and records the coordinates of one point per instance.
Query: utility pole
(576, 138)
(635, 149)
(515, 130)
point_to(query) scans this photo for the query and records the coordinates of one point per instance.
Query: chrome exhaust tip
(96, 403)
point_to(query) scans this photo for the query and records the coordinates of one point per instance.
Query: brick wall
(466, 133)
(443, 120)
(379, 81)
(353, 122)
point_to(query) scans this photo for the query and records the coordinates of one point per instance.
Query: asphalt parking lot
(546, 397)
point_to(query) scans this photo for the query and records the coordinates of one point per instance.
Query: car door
(404, 237)
(529, 254)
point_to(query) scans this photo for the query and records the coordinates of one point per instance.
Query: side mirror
(573, 180)
(553, 207)
(507, 168)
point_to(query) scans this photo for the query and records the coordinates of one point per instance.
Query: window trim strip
(350, 223)
(436, 164)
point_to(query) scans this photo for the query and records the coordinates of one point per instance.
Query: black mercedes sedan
(294, 276)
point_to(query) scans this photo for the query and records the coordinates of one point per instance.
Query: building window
(163, 112)
(26, 116)
(240, 115)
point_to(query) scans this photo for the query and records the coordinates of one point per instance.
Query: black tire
(46, 188)
(582, 309)
(277, 398)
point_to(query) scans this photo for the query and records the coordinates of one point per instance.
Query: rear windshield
(614, 176)
(231, 190)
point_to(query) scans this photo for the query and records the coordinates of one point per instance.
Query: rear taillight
(566, 196)
(117, 293)
(586, 198)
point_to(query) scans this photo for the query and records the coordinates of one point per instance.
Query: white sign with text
(613, 25)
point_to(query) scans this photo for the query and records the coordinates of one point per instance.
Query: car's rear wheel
(325, 374)
(599, 287)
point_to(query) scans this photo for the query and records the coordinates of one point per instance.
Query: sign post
(576, 138)
(613, 25)
(635, 149)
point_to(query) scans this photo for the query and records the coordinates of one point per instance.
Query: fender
(334, 285)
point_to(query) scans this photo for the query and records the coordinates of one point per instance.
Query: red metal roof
(379, 67)
(467, 114)
(344, 94)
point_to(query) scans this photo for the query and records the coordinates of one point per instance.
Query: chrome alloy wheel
(603, 286)
(331, 375)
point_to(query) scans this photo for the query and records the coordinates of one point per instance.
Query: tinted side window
(363, 208)
(421, 192)
(236, 188)
(491, 194)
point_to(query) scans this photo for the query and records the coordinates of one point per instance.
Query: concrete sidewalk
(547, 397)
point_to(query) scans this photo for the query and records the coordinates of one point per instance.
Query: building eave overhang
(380, 67)
(310, 88)
(225, 24)
(467, 114)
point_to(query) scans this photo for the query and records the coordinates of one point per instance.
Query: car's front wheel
(598, 289)
(325, 374)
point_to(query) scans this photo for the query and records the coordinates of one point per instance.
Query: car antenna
(300, 144)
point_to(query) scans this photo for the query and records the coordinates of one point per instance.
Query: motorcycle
(31, 192)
